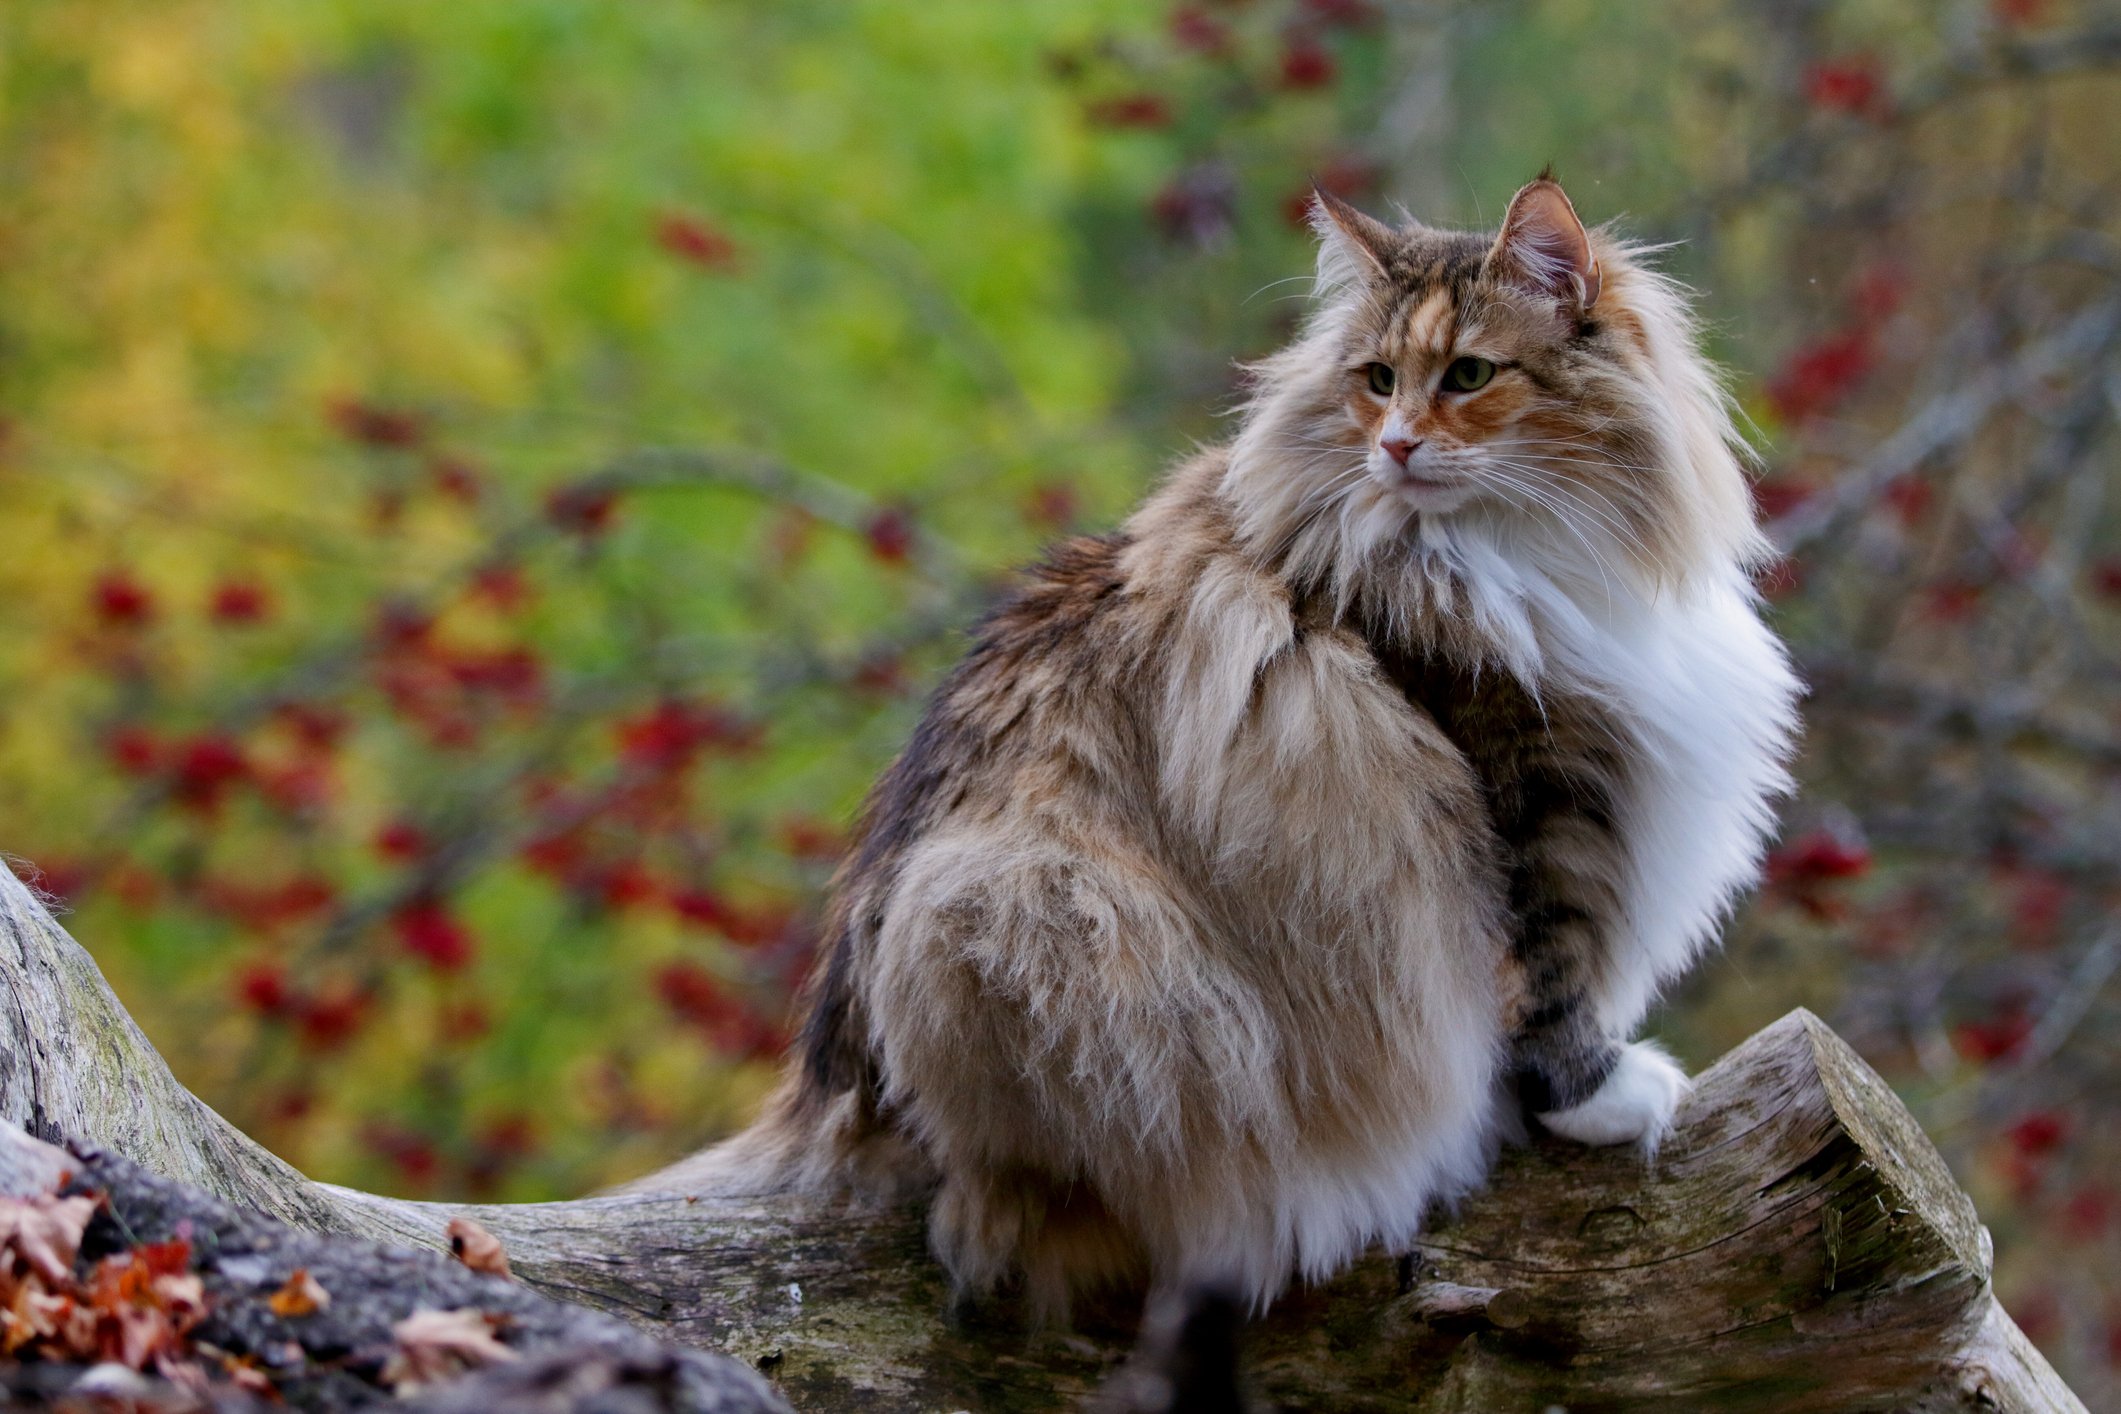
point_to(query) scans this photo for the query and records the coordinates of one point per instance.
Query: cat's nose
(1400, 448)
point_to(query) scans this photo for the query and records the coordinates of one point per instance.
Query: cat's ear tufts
(1543, 247)
(1349, 238)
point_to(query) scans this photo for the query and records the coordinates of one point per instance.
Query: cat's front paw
(1633, 1106)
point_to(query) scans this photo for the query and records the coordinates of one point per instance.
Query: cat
(1262, 863)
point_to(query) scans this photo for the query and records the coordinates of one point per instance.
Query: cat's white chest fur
(1707, 694)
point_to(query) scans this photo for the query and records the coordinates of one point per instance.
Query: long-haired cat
(1262, 862)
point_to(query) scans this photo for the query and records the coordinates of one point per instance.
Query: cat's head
(1538, 388)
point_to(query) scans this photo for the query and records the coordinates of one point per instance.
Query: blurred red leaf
(2038, 1134)
(1305, 64)
(267, 908)
(400, 626)
(205, 769)
(503, 585)
(460, 1022)
(1817, 856)
(699, 999)
(890, 535)
(375, 426)
(696, 241)
(415, 1157)
(1909, 497)
(328, 1021)
(121, 600)
(1997, 1038)
(238, 602)
(1877, 293)
(263, 988)
(2088, 1213)
(1951, 601)
(1052, 505)
(1818, 377)
(812, 840)
(672, 734)
(627, 885)
(456, 478)
(315, 728)
(1777, 497)
(516, 675)
(429, 931)
(134, 750)
(587, 508)
(401, 842)
(1850, 85)
(1130, 110)
(1192, 27)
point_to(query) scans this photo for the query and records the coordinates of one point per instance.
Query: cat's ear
(1543, 247)
(1349, 241)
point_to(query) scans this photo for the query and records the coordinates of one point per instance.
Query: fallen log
(1796, 1245)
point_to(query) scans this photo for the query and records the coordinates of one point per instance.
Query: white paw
(1635, 1104)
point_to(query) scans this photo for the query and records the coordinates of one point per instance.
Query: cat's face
(1520, 377)
(1450, 381)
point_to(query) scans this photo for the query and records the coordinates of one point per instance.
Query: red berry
(134, 750)
(206, 768)
(122, 601)
(1305, 64)
(1131, 110)
(1195, 29)
(890, 535)
(428, 931)
(402, 842)
(586, 508)
(456, 478)
(240, 602)
(1852, 85)
(2038, 1134)
(1818, 377)
(263, 988)
(375, 426)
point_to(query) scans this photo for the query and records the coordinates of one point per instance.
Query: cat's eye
(1381, 379)
(1465, 375)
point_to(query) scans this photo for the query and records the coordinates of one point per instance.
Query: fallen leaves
(434, 1346)
(44, 1233)
(477, 1248)
(300, 1295)
(135, 1309)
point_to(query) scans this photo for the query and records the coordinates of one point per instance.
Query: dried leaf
(477, 1248)
(300, 1295)
(35, 1314)
(44, 1233)
(440, 1345)
(133, 1335)
(183, 1297)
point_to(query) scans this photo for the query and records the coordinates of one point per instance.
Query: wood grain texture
(1797, 1245)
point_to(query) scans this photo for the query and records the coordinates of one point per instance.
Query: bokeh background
(484, 487)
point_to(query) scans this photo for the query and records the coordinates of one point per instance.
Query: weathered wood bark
(336, 1359)
(1797, 1245)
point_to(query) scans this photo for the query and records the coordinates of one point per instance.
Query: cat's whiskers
(1581, 496)
(1542, 499)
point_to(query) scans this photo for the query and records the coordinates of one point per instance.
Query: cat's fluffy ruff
(1182, 943)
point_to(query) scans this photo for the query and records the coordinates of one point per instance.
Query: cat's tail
(803, 1142)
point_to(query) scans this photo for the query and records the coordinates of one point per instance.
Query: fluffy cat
(1262, 861)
